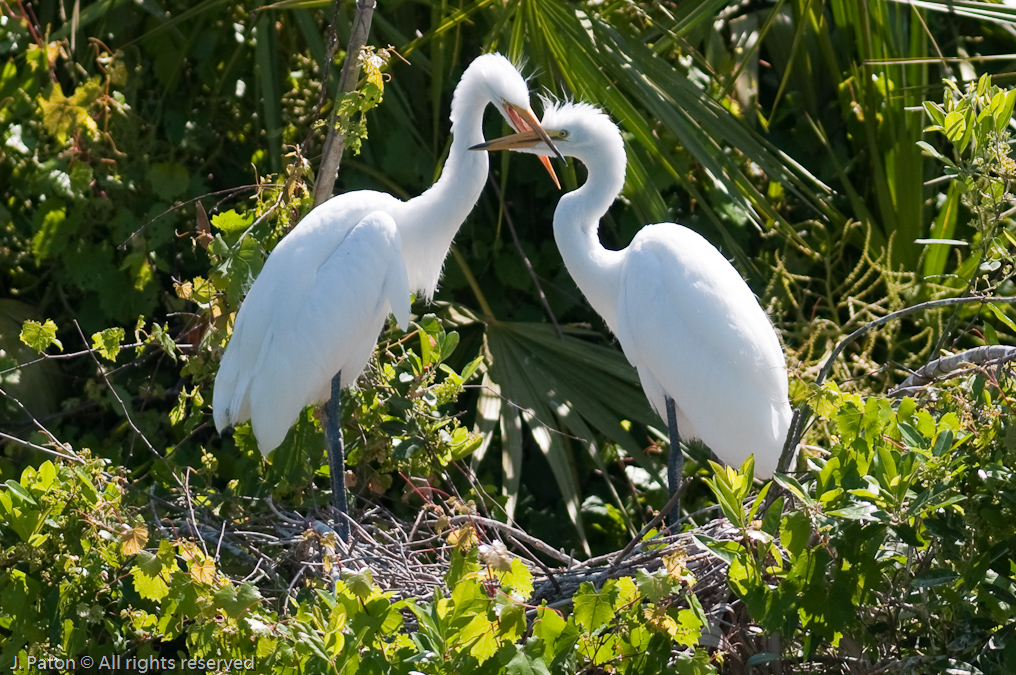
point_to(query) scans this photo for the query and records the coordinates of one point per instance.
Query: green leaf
(107, 342)
(232, 222)
(235, 601)
(149, 587)
(936, 112)
(549, 626)
(1000, 314)
(595, 608)
(795, 532)
(39, 336)
(955, 125)
(168, 179)
(931, 151)
(523, 664)
(359, 582)
(63, 115)
(1002, 113)
(933, 578)
(480, 632)
(53, 233)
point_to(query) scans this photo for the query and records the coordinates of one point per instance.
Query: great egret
(310, 321)
(707, 355)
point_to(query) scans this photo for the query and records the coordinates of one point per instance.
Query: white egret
(310, 322)
(707, 355)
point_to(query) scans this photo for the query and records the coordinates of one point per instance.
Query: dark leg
(336, 456)
(675, 463)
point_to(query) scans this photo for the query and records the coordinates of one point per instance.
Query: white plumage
(324, 293)
(683, 315)
(695, 332)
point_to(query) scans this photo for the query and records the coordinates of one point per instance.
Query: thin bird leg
(337, 456)
(675, 463)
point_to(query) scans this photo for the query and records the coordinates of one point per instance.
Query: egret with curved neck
(707, 355)
(309, 324)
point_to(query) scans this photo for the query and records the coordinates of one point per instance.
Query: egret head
(578, 130)
(493, 78)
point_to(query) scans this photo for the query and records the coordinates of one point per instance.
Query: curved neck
(432, 219)
(596, 270)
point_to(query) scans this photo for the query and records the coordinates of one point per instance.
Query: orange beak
(525, 122)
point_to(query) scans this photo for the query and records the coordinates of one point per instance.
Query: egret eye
(563, 133)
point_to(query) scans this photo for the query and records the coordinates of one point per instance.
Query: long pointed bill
(524, 121)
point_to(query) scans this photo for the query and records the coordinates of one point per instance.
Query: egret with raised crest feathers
(708, 357)
(310, 322)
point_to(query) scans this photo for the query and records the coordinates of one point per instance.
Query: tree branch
(804, 412)
(335, 141)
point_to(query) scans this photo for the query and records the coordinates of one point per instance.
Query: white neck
(432, 219)
(596, 270)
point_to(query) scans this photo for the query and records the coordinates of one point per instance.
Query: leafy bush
(150, 162)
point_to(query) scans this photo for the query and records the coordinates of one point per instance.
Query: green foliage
(145, 178)
(39, 336)
(976, 123)
(108, 342)
(901, 540)
(74, 554)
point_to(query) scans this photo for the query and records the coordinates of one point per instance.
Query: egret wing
(694, 330)
(272, 323)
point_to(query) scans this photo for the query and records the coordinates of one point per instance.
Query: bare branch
(801, 416)
(941, 368)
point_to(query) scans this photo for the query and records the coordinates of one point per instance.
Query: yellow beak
(526, 124)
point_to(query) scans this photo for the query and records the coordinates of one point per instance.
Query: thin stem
(335, 141)
(481, 299)
(802, 415)
(525, 258)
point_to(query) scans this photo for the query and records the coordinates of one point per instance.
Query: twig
(46, 432)
(671, 503)
(540, 546)
(801, 419)
(193, 522)
(335, 142)
(70, 355)
(230, 191)
(40, 448)
(123, 406)
(525, 258)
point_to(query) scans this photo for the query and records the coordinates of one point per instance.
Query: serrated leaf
(148, 563)
(202, 571)
(232, 222)
(523, 664)
(149, 587)
(594, 608)
(359, 582)
(480, 632)
(39, 336)
(133, 539)
(63, 115)
(108, 342)
(235, 601)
